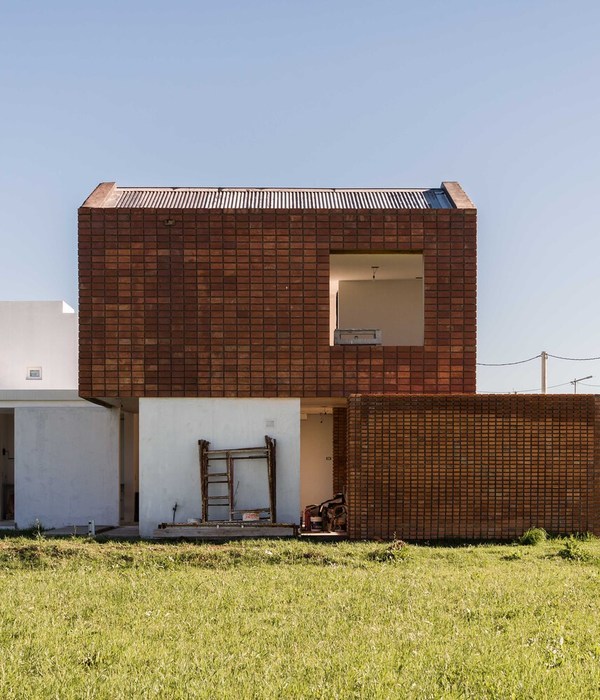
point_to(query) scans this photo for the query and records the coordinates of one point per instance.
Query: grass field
(287, 619)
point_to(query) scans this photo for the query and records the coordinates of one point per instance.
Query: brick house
(228, 313)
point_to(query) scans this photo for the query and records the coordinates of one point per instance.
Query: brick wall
(339, 449)
(472, 467)
(235, 303)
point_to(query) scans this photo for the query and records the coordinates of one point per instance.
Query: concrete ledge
(457, 195)
(99, 196)
(40, 395)
(227, 531)
(75, 531)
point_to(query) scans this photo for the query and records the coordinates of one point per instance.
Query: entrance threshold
(324, 536)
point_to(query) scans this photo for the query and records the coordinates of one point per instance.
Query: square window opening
(376, 299)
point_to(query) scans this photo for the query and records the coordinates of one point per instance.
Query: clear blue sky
(503, 97)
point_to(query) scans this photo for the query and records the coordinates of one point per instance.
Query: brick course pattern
(472, 467)
(235, 302)
(339, 449)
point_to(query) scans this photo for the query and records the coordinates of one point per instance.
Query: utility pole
(544, 356)
(574, 382)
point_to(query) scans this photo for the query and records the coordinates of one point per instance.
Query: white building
(59, 455)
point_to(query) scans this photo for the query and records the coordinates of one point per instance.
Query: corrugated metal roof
(277, 198)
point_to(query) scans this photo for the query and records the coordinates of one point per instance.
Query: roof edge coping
(457, 195)
(100, 196)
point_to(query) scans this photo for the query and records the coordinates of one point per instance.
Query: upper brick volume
(226, 292)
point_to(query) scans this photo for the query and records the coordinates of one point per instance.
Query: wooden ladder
(208, 478)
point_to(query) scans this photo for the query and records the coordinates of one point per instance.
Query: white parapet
(38, 345)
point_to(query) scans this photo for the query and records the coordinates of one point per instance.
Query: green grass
(289, 619)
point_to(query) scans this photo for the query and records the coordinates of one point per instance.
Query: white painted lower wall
(66, 466)
(169, 430)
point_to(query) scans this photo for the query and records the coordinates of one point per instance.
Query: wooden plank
(236, 451)
(236, 456)
(230, 478)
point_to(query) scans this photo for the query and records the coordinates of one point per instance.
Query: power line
(514, 391)
(506, 364)
(544, 356)
(555, 386)
(528, 391)
(535, 357)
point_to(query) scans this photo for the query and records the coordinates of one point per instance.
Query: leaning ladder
(225, 474)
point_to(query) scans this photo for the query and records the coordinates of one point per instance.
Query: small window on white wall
(34, 373)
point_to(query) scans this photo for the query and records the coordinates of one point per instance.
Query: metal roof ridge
(215, 197)
(275, 189)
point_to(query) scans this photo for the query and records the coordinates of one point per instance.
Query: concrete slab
(75, 531)
(224, 531)
(324, 536)
(124, 532)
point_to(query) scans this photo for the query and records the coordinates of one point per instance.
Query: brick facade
(339, 449)
(178, 302)
(472, 467)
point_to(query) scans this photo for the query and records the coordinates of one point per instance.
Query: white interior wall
(351, 266)
(66, 466)
(38, 334)
(316, 465)
(393, 306)
(169, 470)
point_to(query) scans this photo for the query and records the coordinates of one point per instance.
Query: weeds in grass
(533, 536)
(517, 555)
(573, 550)
(396, 550)
(585, 536)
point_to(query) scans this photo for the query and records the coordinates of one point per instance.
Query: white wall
(169, 468)
(316, 470)
(66, 466)
(38, 334)
(395, 307)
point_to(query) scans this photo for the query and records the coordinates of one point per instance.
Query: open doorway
(7, 466)
(321, 481)
(129, 468)
(316, 457)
